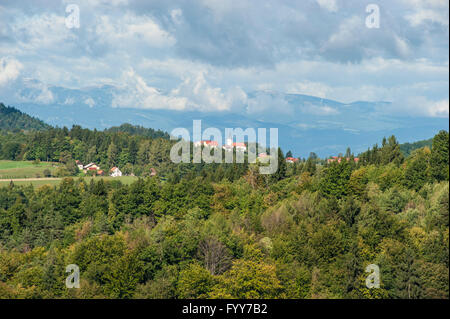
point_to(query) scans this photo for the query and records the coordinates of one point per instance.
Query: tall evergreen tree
(439, 161)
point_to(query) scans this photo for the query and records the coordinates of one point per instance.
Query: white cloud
(402, 46)
(42, 31)
(309, 88)
(9, 70)
(329, 5)
(176, 15)
(137, 94)
(417, 105)
(36, 92)
(347, 39)
(204, 97)
(160, 42)
(422, 15)
(435, 11)
(96, 3)
(132, 28)
(177, 68)
(194, 93)
(437, 108)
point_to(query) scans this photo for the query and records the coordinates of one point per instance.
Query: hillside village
(242, 147)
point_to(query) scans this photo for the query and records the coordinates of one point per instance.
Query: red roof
(333, 158)
(262, 155)
(213, 143)
(239, 145)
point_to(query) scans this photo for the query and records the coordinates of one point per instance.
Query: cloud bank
(208, 55)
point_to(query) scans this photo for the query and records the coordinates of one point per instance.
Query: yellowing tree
(248, 279)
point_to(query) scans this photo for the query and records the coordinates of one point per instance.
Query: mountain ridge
(305, 123)
(13, 119)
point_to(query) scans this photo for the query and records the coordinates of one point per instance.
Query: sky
(208, 55)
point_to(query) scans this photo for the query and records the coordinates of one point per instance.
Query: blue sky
(207, 55)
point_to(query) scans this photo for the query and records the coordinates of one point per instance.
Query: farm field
(25, 169)
(26, 172)
(33, 181)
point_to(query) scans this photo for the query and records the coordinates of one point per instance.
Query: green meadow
(27, 172)
(25, 169)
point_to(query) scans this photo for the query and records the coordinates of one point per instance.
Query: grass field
(26, 173)
(24, 169)
(55, 181)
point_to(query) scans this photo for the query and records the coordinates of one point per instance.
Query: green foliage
(388, 153)
(249, 278)
(223, 230)
(439, 161)
(417, 169)
(194, 282)
(336, 180)
(12, 119)
(408, 148)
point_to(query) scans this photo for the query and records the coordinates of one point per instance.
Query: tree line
(308, 231)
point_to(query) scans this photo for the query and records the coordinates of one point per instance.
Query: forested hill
(390, 147)
(223, 230)
(408, 148)
(13, 119)
(138, 130)
(309, 231)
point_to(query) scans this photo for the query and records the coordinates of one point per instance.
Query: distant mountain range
(305, 123)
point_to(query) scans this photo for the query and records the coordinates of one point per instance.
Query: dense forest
(224, 230)
(408, 148)
(135, 150)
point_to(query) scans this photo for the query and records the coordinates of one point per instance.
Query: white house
(228, 148)
(80, 165)
(91, 166)
(115, 172)
(240, 146)
(262, 155)
(230, 145)
(291, 160)
(212, 144)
